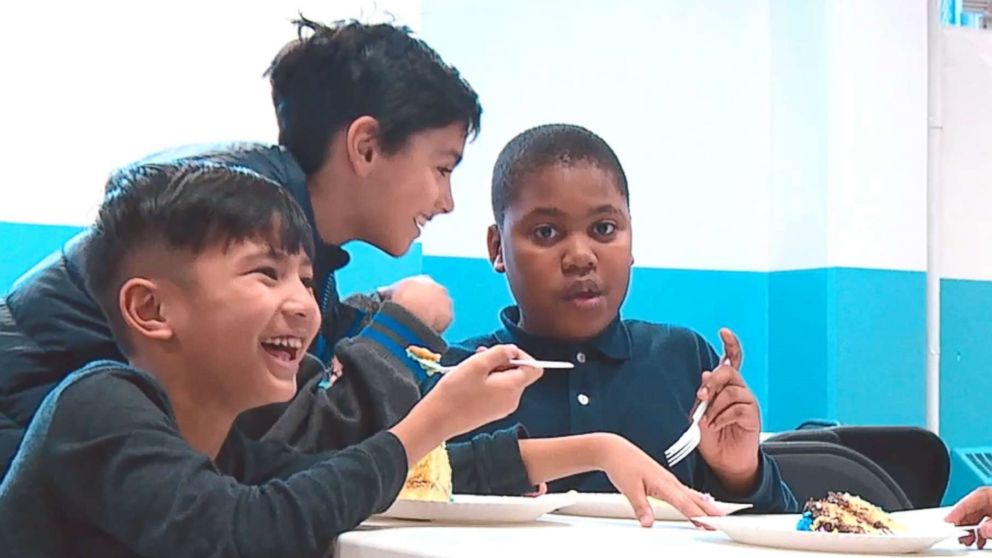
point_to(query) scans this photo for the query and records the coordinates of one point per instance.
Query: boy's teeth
(291, 342)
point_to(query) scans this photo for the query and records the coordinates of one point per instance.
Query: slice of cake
(430, 478)
(841, 512)
(426, 358)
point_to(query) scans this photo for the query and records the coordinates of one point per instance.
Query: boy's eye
(545, 232)
(307, 282)
(267, 271)
(445, 171)
(604, 228)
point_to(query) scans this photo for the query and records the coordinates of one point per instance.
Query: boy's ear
(631, 248)
(142, 310)
(495, 245)
(362, 144)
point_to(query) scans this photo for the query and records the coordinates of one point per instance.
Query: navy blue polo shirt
(636, 379)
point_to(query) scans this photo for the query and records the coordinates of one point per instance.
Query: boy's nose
(579, 258)
(445, 202)
(301, 304)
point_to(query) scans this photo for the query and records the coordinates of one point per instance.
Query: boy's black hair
(334, 74)
(186, 207)
(545, 146)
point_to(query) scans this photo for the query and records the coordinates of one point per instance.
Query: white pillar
(934, 129)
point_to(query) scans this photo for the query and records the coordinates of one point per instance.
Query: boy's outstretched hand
(638, 476)
(631, 471)
(973, 509)
(732, 424)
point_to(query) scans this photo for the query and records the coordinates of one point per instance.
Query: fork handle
(700, 411)
(546, 364)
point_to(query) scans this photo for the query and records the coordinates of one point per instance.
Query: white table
(559, 535)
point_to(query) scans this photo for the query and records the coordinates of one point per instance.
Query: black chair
(813, 468)
(915, 458)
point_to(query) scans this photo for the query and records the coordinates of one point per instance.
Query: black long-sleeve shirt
(104, 472)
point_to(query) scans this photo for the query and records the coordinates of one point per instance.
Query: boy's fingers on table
(638, 498)
(680, 497)
(542, 489)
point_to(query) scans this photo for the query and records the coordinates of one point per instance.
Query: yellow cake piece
(423, 353)
(428, 360)
(430, 478)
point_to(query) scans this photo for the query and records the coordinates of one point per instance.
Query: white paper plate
(478, 509)
(779, 531)
(617, 506)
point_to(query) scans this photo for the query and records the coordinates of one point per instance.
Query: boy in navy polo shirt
(563, 238)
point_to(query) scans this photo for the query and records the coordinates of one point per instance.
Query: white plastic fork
(689, 440)
(436, 368)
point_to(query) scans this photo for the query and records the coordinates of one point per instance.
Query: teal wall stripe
(966, 356)
(22, 245)
(800, 361)
(881, 346)
(836, 343)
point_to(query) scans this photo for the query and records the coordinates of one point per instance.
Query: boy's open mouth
(585, 295)
(421, 221)
(286, 348)
(586, 300)
(583, 290)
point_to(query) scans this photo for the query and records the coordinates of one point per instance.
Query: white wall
(90, 86)
(757, 135)
(679, 90)
(877, 66)
(848, 156)
(797, 198)
(967, 155)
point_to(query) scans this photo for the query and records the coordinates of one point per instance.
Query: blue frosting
(805, 522)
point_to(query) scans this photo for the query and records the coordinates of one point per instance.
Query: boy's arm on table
(634, 473)
(491, 463)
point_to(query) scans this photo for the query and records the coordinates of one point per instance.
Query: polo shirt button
(583, 399)
(581, 357)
